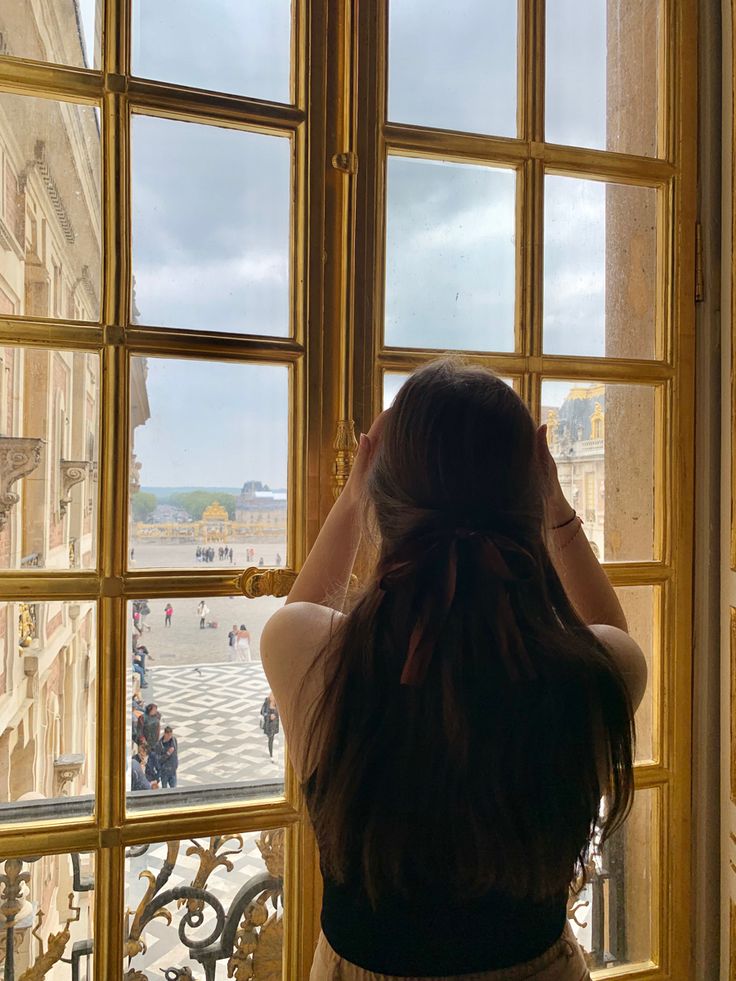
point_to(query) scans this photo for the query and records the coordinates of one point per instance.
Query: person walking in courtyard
(167, 754)
(232, 639)
(242, 644)
(149, 725)
(270, 720)
(202, 611)
(168, 611)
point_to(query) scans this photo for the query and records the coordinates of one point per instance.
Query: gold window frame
(340, 145)
(672, 174)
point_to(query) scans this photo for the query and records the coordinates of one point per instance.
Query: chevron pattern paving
(214, 710)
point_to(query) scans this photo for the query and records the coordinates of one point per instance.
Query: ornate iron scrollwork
(248, 935)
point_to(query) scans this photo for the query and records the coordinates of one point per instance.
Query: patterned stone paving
(215, 713)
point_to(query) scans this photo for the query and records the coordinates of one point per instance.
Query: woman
(242, 644)
(456, 732)
(270, 720)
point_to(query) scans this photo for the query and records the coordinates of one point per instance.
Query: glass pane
(65, 32)
(195, 669)
(614, 916)
(602, 437)
(239, 46)
(224, 897)
(211, 450)
(49, 419)
(602, 74)
(450, 256)
(52, 917)
(600, 268)
(210, 254)
(50, 215)
(392, 382)
(469, 43)
(640, 605)
(48, 671)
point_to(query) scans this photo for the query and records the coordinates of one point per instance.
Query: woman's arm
(325, 576)
(579, 570)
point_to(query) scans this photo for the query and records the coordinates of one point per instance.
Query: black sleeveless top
(431, 937)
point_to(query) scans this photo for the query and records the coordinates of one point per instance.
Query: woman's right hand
(558, 507)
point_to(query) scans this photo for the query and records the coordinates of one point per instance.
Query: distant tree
(144, 505)
(195, 502)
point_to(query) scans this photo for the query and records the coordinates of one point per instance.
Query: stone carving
(66, 769)
(19, 457)
(72, 472)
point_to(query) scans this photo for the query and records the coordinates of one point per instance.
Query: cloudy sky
(211, 206)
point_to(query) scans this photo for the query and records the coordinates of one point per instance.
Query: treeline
(193, 502)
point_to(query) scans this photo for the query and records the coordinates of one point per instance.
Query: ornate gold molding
(345, 446)
(257, 581)
(73, 472)
(27, 624)
(19, 456)
(55, 946)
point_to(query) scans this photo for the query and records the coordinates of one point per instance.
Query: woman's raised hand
(367, 446)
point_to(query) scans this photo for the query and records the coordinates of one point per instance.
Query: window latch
(346, 163)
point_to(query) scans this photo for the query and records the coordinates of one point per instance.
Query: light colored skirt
(241, 651)
(564, 961)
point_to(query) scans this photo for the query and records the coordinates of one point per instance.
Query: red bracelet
(566, 523)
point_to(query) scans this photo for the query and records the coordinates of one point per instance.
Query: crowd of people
(155, 747)
(155, 760)
(207, 553)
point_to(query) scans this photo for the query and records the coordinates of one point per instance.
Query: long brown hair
(487, 767)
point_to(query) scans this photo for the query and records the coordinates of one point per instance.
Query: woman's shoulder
(628, 657)
(303, 623)
(293, 638)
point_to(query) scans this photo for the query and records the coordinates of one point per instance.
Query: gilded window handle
(257, 581)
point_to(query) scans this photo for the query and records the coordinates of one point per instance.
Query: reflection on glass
(614, 916)
(238, 876)
(50, 925)
(600, 268)
(50, 215)
(47, 748)
(49, 419)
(450, 256)
(469, 43)
(211, 446)
(200, 714)
(601, 70)
(640, 608)
(211, 235)
(63, 32)
(239, 46)
(602, 437)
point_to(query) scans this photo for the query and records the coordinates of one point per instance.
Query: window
(226, 257)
